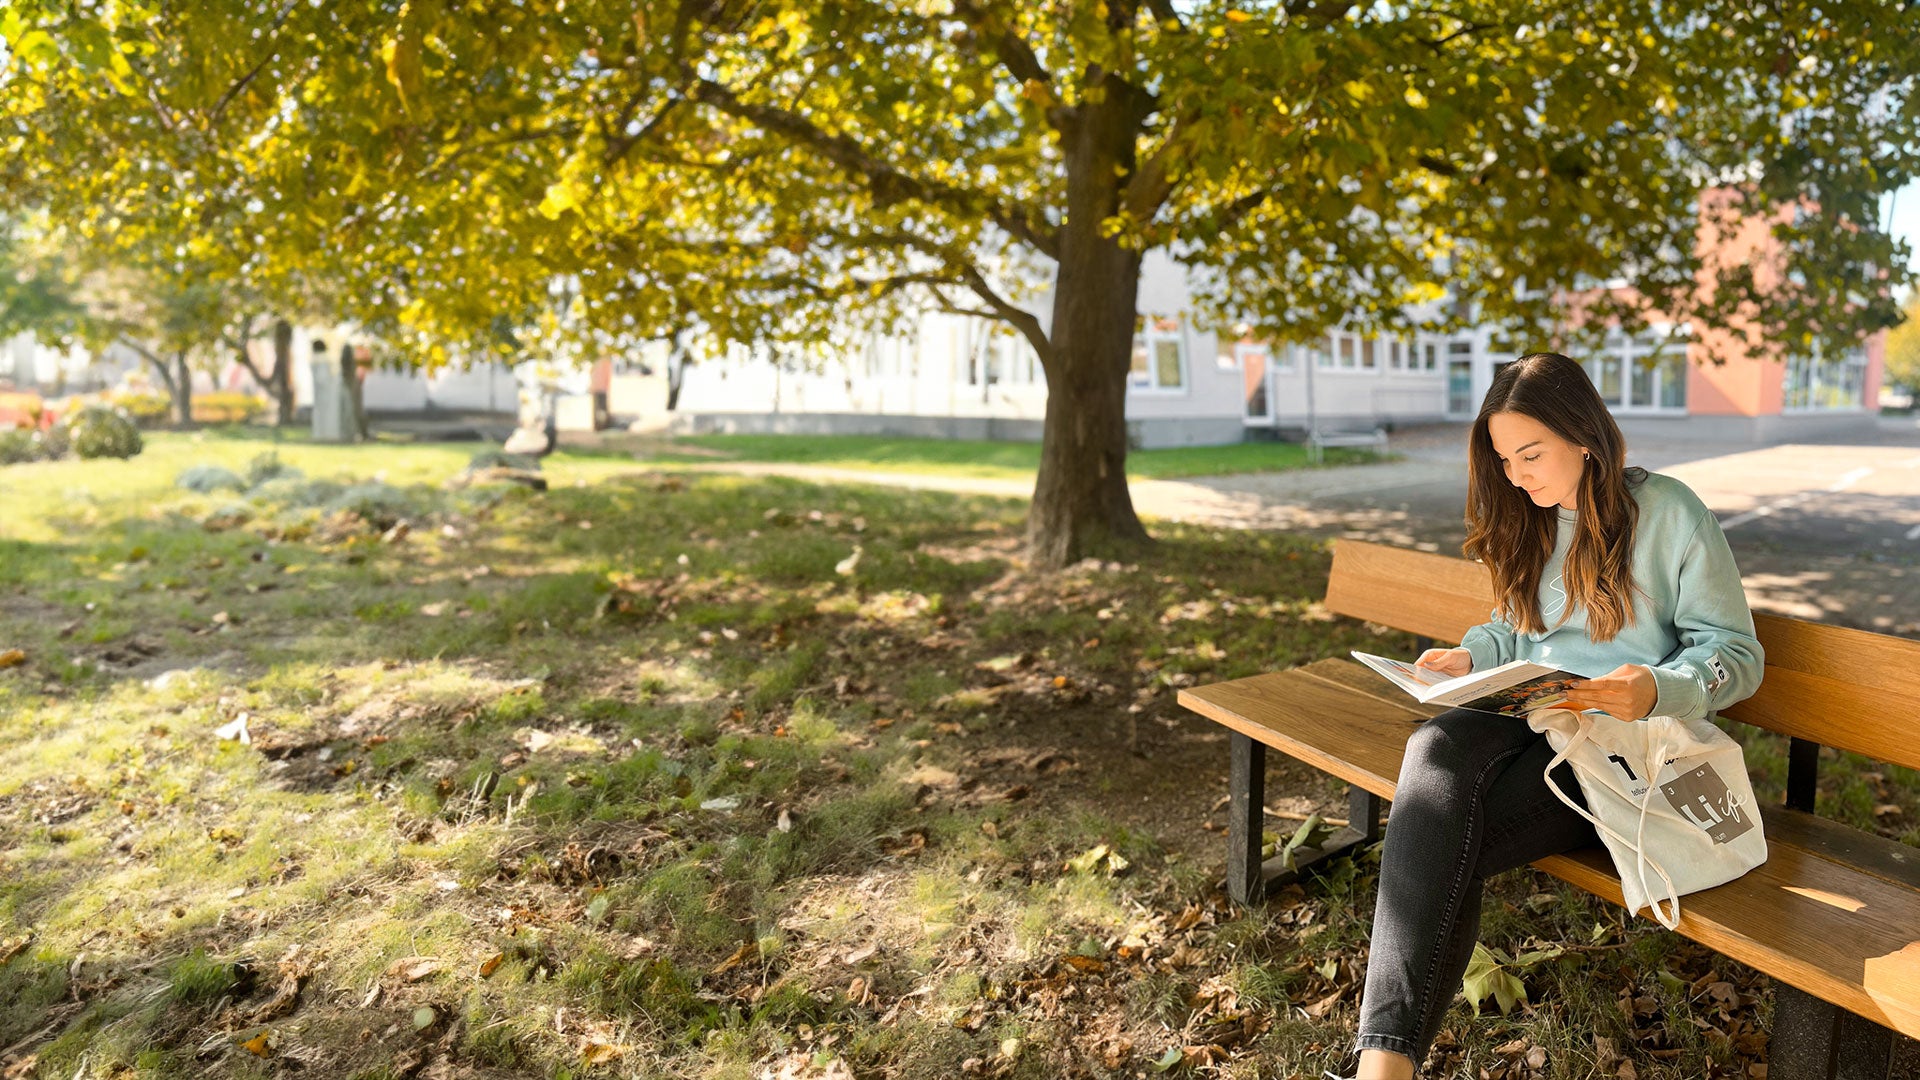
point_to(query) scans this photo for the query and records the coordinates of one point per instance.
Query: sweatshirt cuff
(1678, 693)
(1485, 653)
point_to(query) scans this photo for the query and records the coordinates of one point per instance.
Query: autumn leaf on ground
(599, 1053)
(1487, 977)
(414, 968)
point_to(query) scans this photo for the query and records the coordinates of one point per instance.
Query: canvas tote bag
(1669, 797)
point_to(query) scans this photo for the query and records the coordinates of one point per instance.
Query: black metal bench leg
(1247, 792)
(1250, 881)
(1817, 1040)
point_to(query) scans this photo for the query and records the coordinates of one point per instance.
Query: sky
(1900, 213)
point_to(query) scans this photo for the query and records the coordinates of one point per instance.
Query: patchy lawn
(657, 775)
(961, 457)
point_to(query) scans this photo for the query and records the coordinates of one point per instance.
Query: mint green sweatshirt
(1691, 624)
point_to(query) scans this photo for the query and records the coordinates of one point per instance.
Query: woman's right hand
(1452, 663)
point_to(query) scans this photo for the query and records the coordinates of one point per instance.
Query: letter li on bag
(1669, 797)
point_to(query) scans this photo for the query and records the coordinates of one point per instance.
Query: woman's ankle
(1383, 1065)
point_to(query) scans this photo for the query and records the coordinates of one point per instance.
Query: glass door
(1257, 393)
(1459, 381)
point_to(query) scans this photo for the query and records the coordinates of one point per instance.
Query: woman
(1611, 572)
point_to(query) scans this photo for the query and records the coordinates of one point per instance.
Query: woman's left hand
(1627, 692)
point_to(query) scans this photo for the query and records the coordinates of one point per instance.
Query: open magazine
(1513, 689)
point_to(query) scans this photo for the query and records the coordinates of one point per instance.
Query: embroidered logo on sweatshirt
(1720, 676)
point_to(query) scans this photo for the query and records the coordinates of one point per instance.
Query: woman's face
(1538, 462)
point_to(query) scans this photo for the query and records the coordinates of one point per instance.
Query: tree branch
(166, 373)
(1163, 11)
(617, 147)
(1018, 57)
(1151, 184)
(233, 91)
(1470, 28)
(952, 308)
(1019, 318)
(888, 183)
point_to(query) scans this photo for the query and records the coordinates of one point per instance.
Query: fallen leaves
(12, 658)
(294, 968)
(1096, 856)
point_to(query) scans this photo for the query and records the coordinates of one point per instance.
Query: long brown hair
(1515, 537)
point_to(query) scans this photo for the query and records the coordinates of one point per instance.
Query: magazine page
(1417, 681)
(1521, 698)
(1512, 688)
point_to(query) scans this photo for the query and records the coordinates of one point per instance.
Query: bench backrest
(1835, 686)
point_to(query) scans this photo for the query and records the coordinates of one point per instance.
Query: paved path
(1825, 530)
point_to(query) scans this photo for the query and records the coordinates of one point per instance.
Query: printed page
(1414, 680)
(1539, 692)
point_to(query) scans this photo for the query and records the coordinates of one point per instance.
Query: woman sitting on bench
(1600, 568)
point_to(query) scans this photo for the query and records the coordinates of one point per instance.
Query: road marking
(1769, 510)
(1850, 479)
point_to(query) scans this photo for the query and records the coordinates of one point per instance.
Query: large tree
(787, 173)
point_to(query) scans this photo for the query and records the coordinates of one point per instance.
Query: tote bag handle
(1670, 918)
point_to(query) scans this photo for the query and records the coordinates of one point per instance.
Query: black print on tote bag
(1701, 797)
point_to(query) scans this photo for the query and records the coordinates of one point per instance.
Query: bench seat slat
(1816, 915)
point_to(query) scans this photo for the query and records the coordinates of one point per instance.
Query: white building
(969, 378)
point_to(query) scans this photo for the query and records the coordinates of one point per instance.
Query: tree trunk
(678, 357)
(350, 385)
(281, 385)
(1081, 505)
(181, 387)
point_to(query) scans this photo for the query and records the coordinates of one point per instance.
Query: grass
(996, 460)
(625, 779)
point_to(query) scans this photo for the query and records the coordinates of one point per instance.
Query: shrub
(17, 447)
(147, 410)
(99, 432)
(207, 479)
(293, 490)
(492, 459)
(268, 466)
(21, 408)
(227, 407)
(381, 505)
(54, 442)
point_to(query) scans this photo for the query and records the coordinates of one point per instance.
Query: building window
(1643, 373)
(1352, 352)
(1411, 355)
(1816, 384)
(1159, 354)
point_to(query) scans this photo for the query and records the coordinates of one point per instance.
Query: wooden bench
(1833, 915)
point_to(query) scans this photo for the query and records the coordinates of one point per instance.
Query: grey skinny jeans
(1470, 803)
